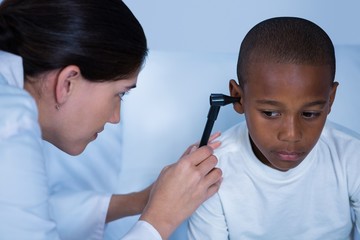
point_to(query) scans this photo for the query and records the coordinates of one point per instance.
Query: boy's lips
(290, 156)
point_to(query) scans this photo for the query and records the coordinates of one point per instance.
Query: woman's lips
(96, 134)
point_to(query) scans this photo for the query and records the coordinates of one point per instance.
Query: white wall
(219, 26)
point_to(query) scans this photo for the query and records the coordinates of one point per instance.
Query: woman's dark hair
(102, 37)
(286, 40)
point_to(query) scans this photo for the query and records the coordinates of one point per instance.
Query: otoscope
(216, 101)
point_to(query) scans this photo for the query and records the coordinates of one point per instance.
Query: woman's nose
(115, 117)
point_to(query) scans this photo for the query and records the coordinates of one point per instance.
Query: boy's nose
(290, 130)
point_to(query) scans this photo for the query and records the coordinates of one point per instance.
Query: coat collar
(11, 68)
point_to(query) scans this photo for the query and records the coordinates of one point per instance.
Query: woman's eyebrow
(131, 87)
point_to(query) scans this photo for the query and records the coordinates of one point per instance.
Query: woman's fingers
(213, 144)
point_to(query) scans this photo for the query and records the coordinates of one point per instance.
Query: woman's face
(95, 105)
(84, 112)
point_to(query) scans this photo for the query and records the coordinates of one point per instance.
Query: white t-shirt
(319, 199)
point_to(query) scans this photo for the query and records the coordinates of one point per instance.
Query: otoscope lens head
(217, 99)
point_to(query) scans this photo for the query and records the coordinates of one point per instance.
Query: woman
(64, 67)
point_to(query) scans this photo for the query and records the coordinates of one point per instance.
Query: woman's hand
(213, 144)
(182, 187)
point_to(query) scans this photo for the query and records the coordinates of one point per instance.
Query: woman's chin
(75, 150)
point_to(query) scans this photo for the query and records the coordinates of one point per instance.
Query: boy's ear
(65, 83)
(236, 91)
(333, 94)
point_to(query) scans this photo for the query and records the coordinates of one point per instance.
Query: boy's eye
(310, 114)
(271, 114)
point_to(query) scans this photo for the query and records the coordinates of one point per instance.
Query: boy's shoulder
(341, 141)
(233, 138)
(338, 133)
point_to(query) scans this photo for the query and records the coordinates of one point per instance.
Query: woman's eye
(122, 94)
(271, 114)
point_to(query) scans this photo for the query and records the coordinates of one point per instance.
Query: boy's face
(285, 107)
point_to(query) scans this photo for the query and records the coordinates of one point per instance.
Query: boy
(287, 172)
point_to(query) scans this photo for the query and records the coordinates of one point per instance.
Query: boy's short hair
(286, 40)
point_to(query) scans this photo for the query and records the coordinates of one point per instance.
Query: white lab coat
(24, 194)
(23, 182)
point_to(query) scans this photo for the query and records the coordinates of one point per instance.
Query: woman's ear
(65, 82)
(236, 91)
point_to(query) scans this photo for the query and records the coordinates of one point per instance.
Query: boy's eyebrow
(315, 103)
(269, 102)
(279, 104)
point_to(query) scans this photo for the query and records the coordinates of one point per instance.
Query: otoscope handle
(212, 115)
(216, 101)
